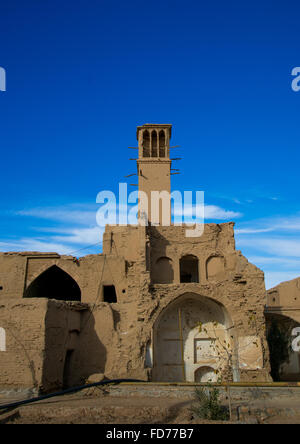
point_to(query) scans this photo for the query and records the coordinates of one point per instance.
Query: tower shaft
(154, 169)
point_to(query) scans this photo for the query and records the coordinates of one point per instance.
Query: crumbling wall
(283, 310)
(287, 331)
(52, 344)
(80, 342)
(97, 343)
(62, 330)
(12, 275)
(19, 270)
(215, 245)
(285, 295)
(239, 287)
(117, 339)
(21, 360)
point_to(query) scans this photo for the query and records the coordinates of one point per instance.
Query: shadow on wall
(73, 350)
(162, 267)
(285, 362)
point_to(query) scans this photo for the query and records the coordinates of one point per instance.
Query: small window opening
(109, 294)
(162, 144)
(154, 144)
(189, 269)
(146, 144)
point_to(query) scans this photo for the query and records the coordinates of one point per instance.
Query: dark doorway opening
(54, 283)
(67, 369)
(109, 294)
(189, 269)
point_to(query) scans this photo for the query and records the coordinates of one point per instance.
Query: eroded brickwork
(155, 305)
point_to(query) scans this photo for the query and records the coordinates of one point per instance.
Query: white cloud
(273, 278)
(75, 214)
(51, 244)
(272, 245)
(79, 230)
(252, 230)
(81, 235)
(210, 212)
(283, 262)
(214, 212)
(280, 224)
(31, 244)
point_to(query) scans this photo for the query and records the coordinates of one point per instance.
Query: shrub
(208, 405)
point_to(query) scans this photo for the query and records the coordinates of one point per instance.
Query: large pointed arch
(54, 283)
(188, 337)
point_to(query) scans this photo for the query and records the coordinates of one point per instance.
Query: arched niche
(163, 272)
(205, 374)
(215, 267)
(54, 283)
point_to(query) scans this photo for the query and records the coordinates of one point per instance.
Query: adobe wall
(239, 287)
(40, 333)
(77, 339)
(217, 241)
(21, 363)
(290, 369)
(117, 339)
(19, 270)
(285, 299)
(137, 322)
(283, 307)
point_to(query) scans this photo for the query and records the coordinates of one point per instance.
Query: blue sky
(82, 75)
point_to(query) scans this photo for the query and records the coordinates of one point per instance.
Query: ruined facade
(283, 311)
(155, 305)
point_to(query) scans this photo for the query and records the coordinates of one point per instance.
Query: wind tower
(154, 163)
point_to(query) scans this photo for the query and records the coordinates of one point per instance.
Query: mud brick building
(155, 304)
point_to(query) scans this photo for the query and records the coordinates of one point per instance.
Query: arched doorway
(54, 283)
(191, 333)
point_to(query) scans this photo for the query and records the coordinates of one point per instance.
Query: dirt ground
(102, 410)
(95, 406)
